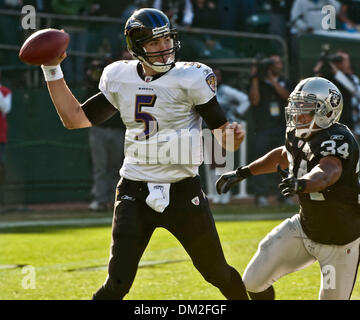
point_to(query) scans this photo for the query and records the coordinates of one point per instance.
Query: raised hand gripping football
(47, 47)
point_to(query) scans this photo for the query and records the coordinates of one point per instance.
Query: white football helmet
(317, 97)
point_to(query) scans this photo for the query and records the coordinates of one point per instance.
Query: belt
(142, 185)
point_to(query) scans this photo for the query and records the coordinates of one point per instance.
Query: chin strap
(306, 132)
(158, 68)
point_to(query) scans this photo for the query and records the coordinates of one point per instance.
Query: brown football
(43, 46)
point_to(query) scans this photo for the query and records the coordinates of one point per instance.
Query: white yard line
(108, 220)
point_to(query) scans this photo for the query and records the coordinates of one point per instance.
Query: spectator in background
(305, 17)
(13, 4)
(279, 17)
(180, 12)
(74, 66)
(231, 14)
(40, 5)
(337, 68)
(205, 14)
(11, 32)
(106, 8)
(5, 107)
(235, 103)
(268, 93)
(205, 45)
(106, 143)
(107, 37)
(349, 15)
(134, 5)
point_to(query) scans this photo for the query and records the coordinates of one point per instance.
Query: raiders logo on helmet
(335, 98)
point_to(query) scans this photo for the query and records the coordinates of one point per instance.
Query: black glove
(227, 180)
(289, 185)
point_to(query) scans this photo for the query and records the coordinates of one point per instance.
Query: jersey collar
(140, 72)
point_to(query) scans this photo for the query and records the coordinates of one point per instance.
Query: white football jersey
(163, 137)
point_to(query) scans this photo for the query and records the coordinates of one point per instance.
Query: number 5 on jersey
(150, 123)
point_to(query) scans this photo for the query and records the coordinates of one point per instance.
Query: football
(43, 46)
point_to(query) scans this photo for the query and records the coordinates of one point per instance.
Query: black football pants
(191, 222)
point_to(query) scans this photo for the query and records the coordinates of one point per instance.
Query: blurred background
(259, 50)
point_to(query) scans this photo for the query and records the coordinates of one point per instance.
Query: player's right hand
(57, 60)
(229, 179)
(289, 185)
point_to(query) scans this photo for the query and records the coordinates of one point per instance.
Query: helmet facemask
(300, 114)
(167, 56)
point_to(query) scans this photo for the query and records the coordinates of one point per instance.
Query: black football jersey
(331, 216)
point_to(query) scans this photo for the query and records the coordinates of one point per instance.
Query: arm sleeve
(98, 109)
(212, 114)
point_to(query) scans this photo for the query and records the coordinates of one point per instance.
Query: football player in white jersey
(323, 160)
(162, 102)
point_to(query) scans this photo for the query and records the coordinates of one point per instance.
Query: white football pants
(287, 249)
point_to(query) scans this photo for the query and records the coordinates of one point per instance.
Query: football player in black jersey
(323, 160)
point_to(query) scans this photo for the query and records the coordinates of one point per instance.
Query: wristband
(300, 185)
(243, 172)
(52, 73)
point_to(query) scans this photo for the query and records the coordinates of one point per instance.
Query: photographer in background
(337, 68)
(268, 95)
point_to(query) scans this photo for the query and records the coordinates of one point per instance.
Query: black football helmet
(145, 25)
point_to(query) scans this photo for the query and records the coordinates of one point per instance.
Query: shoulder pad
(194, 68)
(113, 69)
(196, 72)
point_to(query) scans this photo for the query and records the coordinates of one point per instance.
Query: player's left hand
(239, 134)
(290, 185)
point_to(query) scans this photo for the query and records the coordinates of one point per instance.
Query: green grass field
(70, 264)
